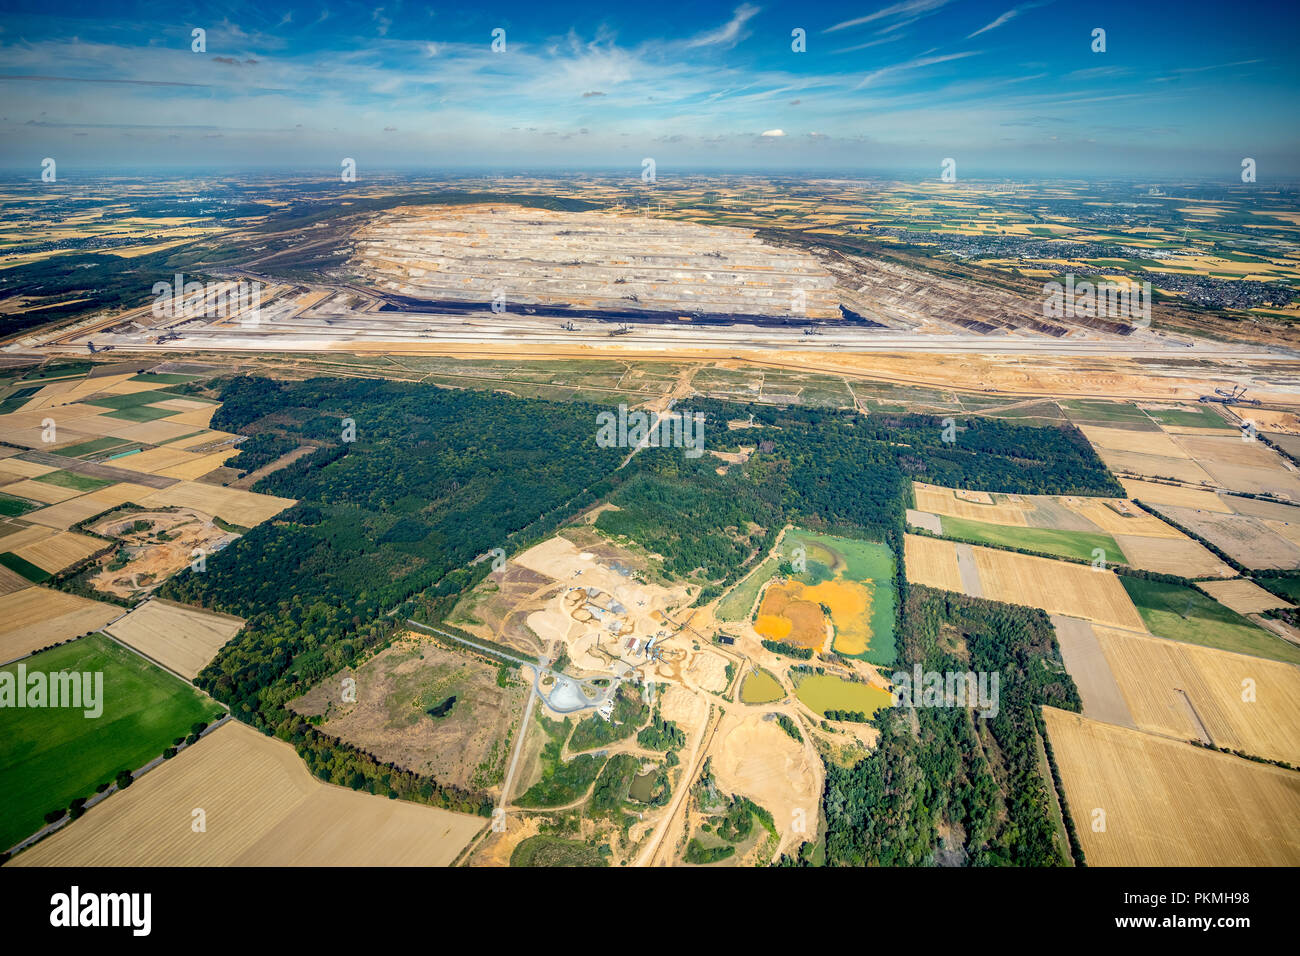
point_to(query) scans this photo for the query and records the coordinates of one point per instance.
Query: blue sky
(1004, 88)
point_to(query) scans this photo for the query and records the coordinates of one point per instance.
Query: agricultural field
(1057, 587)
(49, 756)
(182, 639)
(932, 562)
(35, 617)
(1199, 693)
(1185, 614)
(243, 508)
(1087, 664)
(1064, 526)
(1142, 800)
(1207, 456)
(1079, 545)
(1254, 542)
(1242, 595)
(263, 808)
(438, 712)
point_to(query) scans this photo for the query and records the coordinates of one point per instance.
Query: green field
(1287, 587)
(1105, 413)
(1065, 544)
(134, 399)
(1185, 614)
(93, 446)
(822, 692)
(11, 507)
(1190, 418)
(70, 479)
(140, 413)
(544, 850)
(17, 399)
(49, 756)
(739, 601)
(760, 687)
(24, 567)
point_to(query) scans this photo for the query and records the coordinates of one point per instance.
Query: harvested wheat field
(1153, 492)
(15, 469)
(1180, 555)
(1261, 508)
(1242, 596)
(1155, 466)
(755, 758)
(199, 466)
(1246, 539)
(41, 491)
(262, 809)
(1057, 587)
(66, 513)
(931, 562)
(11, 581)
(17, 533)
(119, 494)
(245, 508)
(1130, 440)
(1169, 803)
(155, 460)
(1247, 466)
(59, 550)
(182, 639)
(148, 433)
(37, 617)
(197, 417)
(1102, 513)
(945, 501)
(1196, 693)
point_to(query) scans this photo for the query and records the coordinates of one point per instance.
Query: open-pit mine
(439, 278)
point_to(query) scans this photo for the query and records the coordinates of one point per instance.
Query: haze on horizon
(1004, 88)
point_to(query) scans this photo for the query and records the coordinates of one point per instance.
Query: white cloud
(1010, 14)
(908, 8)
(916, 64)
(773, 132)
(729, 32)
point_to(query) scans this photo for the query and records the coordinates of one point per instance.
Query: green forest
(946, 768)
